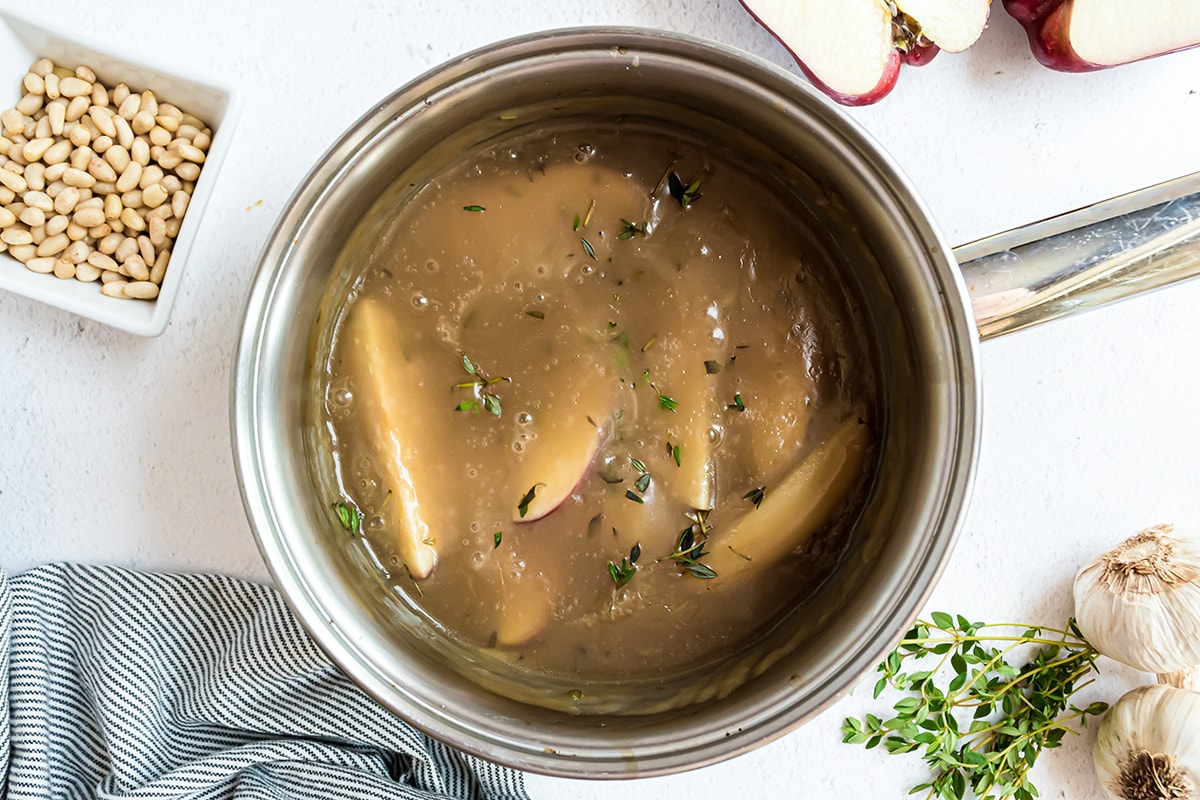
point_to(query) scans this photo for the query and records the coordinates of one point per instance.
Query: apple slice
(1085, 35)
(793, 511)
(384, 381)
(852, 49)
(554, 465)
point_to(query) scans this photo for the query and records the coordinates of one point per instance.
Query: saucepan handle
(1085, 258)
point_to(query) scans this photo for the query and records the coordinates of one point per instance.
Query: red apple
(1085, 35)
(852, 49)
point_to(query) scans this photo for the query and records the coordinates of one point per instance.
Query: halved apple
(852, 49)
(1085, 35)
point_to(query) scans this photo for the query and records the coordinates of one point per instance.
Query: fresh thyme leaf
(526, 499)
(630, 229)
(474, 208)
(649, 343)
(686, 195)
(642, 483)
(712, 367)
(668, 403)
(702, 570)
(497, 537)
(491, 404)
(587, 217)
(675, 455)
(575, 223)
(637, 464)
(1013, 683)
(738, 553)
(587, 248)
(737, 404)
(755, 495)
(468, 405)
(645, 376)
(690, 547)
(468, 365)
(666, 176)
(623, 573)
(635, 498)
(612, 325)
(536, 314)
(350, 516)
(635, 553)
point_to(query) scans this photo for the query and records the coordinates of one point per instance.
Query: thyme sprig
(623, 573)
(686, 194)
(631, 229)
(1006, 701)
(351, 517)
(691, 547)
(485, 398)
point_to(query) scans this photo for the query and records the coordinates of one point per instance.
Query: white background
(116, 449)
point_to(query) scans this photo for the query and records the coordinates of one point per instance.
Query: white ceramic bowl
(23, 39)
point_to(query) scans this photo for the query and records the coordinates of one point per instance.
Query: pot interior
(892, 261)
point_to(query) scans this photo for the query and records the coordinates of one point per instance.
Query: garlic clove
(1140, 602)
(1148, 746)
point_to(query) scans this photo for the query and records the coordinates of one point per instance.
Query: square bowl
(25, 39)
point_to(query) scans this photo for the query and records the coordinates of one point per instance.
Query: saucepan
(924, 310)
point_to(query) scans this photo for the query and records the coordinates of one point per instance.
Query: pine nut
(159, 136)
(119, 93)
(126, 249)
(103, 188)
(13, 181)
(80, 136)
(57, 224)
(34, 150)
(113, 206)
(146, 249)
(34, 84)
(160, 266)
(101, 261)
(22, 252)
(53, 245)
(154, 195)
(76, 233)
(64, 269)
(42, 67)
(158, 231)
(86, 273)
(142, 123)
(51, 81)
(99, 95)
(136, 268)
(203, 140)
(6, 195)
(43, 265)
(118, 157)
(114, 288)
(109, 244)
(111, 276)
(7, 218)
(132, 220)
(124, 132)
(129, 107)
(129, 177)
(35, 177)
(30, 104)
(173, 225)
(103, 119)
(101, 170)
(170, 160)
(58, 152)
(76, 252)
(98, 232)
(140, 152)
(16, 236)
(33, 217)
(54, 173)
(81, 158)
(78, 107)
(101, 145)
(39, 200)
(78, 178)
(56, 112)
(188, 171)
(141, 290)
(75, 87)
(89, 217)
(66, 200)
(132, 198)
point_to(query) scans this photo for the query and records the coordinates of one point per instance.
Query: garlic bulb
(1140, 603)
(1148, 746)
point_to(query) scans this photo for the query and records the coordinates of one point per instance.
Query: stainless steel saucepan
(916, 305)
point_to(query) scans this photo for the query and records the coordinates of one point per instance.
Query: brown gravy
(654, 347)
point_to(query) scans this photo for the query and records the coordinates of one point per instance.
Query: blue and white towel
(120, 684)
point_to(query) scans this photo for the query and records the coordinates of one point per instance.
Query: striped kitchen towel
(121, 684)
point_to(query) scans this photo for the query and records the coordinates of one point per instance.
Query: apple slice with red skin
(1086, 35)
(853, 49)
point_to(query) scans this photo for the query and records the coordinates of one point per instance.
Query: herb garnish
(536, 314)
(686, 195)
(649, 343)
(755, 495)
(526, 499)
(587, 217)
(635, 498)
(587, 248)
(1018, 707)
(642, 483)
(484, 397)
(474, 208)
(629, 229)
(737, 404)
(690, 547)
(575, 223)
(667, 173)
(350, 516)
(637, 464)
(497, 537)
(673, 452)
(668, 403)
(623, 573)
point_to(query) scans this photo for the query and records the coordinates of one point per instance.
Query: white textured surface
(116, 448)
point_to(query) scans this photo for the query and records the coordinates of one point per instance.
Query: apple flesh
(853, 49)
(1086, 35)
